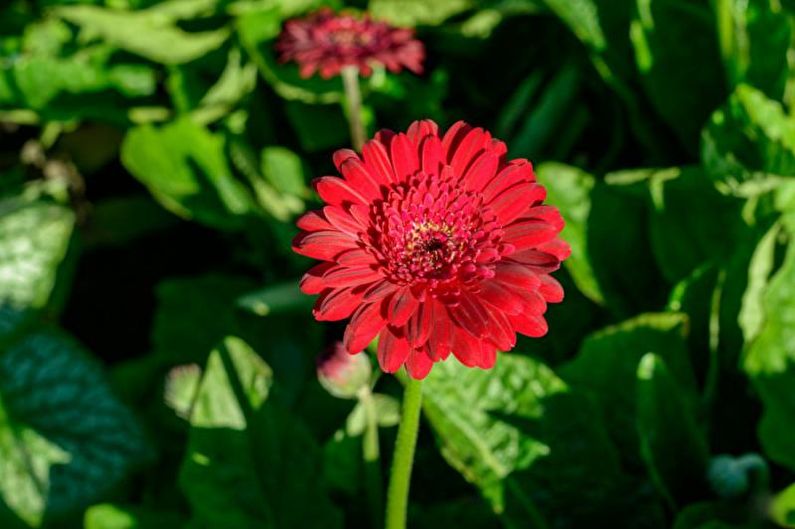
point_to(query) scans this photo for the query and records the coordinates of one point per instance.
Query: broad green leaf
(284, 170)
(536, 451)
(237, 80)
(111, 516)
(39, 79)
(770, 361)
(417, 12)
(752, 313)
(617, 232)
(179, 391)
(755, 37)
(64, 438)
(569, 189)
(671, 444)
(250, 463)
(193, 314)
(34, 238)
(145, 33)
(782, 507)
(682, 237)
(185, 168)
(677, 53)
(607, 364)
(748, 138)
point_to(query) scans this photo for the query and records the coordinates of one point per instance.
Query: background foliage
(156, 359)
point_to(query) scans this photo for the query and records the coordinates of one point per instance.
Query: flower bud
(342, 374)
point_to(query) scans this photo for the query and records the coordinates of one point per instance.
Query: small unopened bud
(342, 374)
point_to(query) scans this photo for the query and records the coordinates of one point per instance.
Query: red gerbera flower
(327, 42)
(435, 244)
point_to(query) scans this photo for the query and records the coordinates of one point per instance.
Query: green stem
(398, 495)
(371, 455)
(353, 98)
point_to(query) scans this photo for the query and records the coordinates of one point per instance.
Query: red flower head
(327, 42)
(435, 244)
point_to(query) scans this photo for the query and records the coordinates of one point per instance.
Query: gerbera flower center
(434, 234)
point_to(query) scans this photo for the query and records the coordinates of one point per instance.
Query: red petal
(342, 220)
(401, 307)
(379, 291)
(529, 234)
(516, 201)
(343, 276)
(470, 314)
(313, 221)
(517, 172)
(337, 304)
(418, 364)
(323, 245)
(360, 178)
(355, 258)
(419, 326)
(532, 326)
(393, 351)
(470, 146)
(466, 348)
(482, 171)
(550, 289)
(488, 355)
(497, 295)
(441, 336)
(365, 325)
(336, 192)
(516, 276)
(453, 137)
(422, 128)
(549, 214)
(432, 155)
(376, 159)
(538, 261)
(312, 282)
(404, 157)
(557, 247)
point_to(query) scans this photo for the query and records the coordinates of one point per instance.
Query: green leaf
(617, 231)
(145, 33)
(536, 451)
(237, 80)
(64, 438)
(747, 138)
(185, 168)
(412, 13)
(676, 50)
(782, 507)
(607, 365)
(276, 299)
(672, 446)
(682, 237)
(284, 170)
(111, 516)
(34, 238)
(755, 37)
(193, 314)
(250, 463)
(770, 359)
(569, 189)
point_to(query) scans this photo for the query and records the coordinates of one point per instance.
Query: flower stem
(353, 98)
(371, 455)
(398, 495)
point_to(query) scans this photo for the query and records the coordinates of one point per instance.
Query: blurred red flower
(435, 244)
(327, 42)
